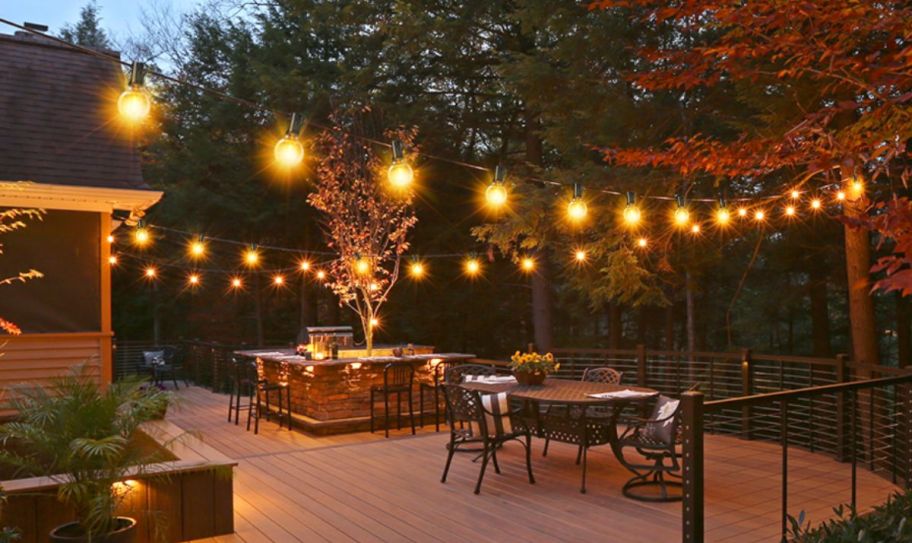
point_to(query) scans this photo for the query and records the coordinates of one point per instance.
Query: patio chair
(433, 389)
(156, 365)
(173, 365)
(594, 375)
(257, 391)
(398, 377)
(485, 420)
(456, 374)
(655, 439)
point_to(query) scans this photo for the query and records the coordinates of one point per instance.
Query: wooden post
(642, 376)
(747, 389)
(692, 455)
(842, 376)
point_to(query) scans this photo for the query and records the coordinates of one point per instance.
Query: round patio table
(570, 424)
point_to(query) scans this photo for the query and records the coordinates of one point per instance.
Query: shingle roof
(53, 125)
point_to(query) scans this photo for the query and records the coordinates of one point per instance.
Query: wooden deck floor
(360, 487)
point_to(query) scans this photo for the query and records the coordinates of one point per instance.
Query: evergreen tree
(87, 31)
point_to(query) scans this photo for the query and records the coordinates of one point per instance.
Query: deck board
(291, 486)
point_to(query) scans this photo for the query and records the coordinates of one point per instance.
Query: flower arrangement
(532, 368)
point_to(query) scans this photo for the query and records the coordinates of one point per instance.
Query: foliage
(893, 222)
(10, 221)
(365, 221)
(80, 435)
(87, 31)
(533, 363)
(887, 522)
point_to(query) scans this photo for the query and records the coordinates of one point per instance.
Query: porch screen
(65, 247)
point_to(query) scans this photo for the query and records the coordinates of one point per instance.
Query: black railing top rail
(786, 395)
(729, 355)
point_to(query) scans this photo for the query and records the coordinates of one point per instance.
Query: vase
(530, 378)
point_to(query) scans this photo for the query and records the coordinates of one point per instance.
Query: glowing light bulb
(374, 287)
(577, 209)
(472, 267)
(759, 215)
(151, 272)
(580, 255)
(856, 187)
(110, 238)
(193, 279)
(236, 282)
(289, 151)
(141, 236)
(527, 264)
(841, 195)
(632, 215)
(742, 212)
(362, 266)
(197, 249)
(304, 265)
(695, 229)
(681, 216)
(496, 195)
(416, 270)
(321, 275)
(642, 243)
(400, 175)
(816, 203)
(278, 280)
(251, 257)
(134, 104)
(795, 194)
(790, 211)
(374, 322)
(722, 216)
(112, 260)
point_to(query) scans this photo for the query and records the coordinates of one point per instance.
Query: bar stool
(398, 377)
(264, 390)
(435, 389)
(243, 383)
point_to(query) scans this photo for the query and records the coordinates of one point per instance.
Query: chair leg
(529, 458)
(411, 411)
(484, 464)
(451, 450)
(545, 450)
(494, 458)
(268, 411)
(579, 455)
(583, 451)
(386, 414)
(231, 403)
(249, 411)
(421, 405)
(372, 411)
(398, 410)
(436, 409)
(288, 405)
(174, 379)
(256, 422)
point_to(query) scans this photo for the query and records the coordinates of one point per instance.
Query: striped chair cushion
(497, 415)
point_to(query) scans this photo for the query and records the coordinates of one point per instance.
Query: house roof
(56, 111)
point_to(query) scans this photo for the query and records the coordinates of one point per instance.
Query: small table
(570, 425)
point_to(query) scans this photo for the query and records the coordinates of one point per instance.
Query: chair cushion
(154, 358)
(497, 415)
(663, 411)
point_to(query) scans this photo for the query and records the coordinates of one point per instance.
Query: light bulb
(304, 265)
(374, 322)
(236, 282)
(580, 255)
(151, 272)
(577, 209)
(795, 194)
(790, 211)
(112, 260)
(251, 257)
(759, 215)
(141, 236)
(722, 216)
(110, 238)
(642, 243)
(289, 151)
(856, 187)
(496, 195)
(278, 280)
(742, 212)
(695, 229)
(816, 203)
(197, 249)
(632, 215)
(681, 216)
(416, 270)
(472, 266)
(134, 104)
(321, 275)
(362, 266)
(841, 195)
(401, 175)
(527, 264)
(193, 279)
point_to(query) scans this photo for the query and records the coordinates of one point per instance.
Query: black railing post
(841, 377)
(692, 451)
(852, 451)
(747, 389)
(783, 434)
(642, 376)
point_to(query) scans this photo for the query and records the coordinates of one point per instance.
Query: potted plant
(84, 437)
(532, 368)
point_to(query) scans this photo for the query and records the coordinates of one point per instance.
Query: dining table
(580, 413)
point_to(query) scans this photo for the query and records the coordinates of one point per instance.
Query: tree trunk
(691, 320)
(903, 335)
(861, 305)
(820, 313)
(615, 328)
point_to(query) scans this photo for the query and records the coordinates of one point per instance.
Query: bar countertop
(289, 356)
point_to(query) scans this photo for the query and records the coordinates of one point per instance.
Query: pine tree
(87, 31)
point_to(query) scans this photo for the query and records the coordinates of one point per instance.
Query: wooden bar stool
(242, 385)
(398, 377)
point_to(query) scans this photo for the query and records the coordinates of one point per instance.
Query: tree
(87, 32)
(10, 221)
(824, 88)
(365, 220)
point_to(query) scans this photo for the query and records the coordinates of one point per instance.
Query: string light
(321, 275)
(642, 243)
(362, 266)
(722, 214)
(496, 194)
(816, 203)
(527, 264)
(742, 212)
(577, 208)
(759, 215)
(110, 238)
(251, 256)
(400, 174)
(374, 287)
(236, 282)
(580, 255)
(304, 265)
(193, 279)
(841, 195)
(197, 249)
(374, 322)
(289, 151)
(112, 260)
(789, 211)
(695, 229)
(150, 272)
(278, 280)
(681, 214)
(856, 187)
(795, 194)
(632, 213)
(472, 266)
(416, 270)
(135, 103)
(141, 236)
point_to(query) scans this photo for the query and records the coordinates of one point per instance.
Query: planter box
(193, 494)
